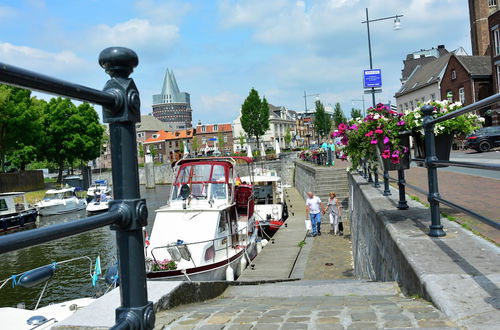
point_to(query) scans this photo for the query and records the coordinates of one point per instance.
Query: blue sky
(218, 50)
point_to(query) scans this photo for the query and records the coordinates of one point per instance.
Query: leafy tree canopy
(322, 122)
(255, 115)
(338, 115)
(356, 113)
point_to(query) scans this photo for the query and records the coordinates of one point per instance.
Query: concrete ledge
(459, 273)
(164, 295)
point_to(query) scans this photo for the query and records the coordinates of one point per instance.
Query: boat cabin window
(19, 203)
(49, 197)
(68, 194)
(3, 205)
(201, 180)
(264, 193)
(222, 223)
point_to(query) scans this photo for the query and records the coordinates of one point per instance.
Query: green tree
(255, 115)
(71, 133)
(221, 143)
(322, 122)
(140, 149)
(288, 137)
(195, 145)
(338, 115)
(356, 113)
(20, 126)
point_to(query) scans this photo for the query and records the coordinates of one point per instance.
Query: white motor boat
(99, 185)
(271, 210)
(48, 316)
(207, 230)
(59, 201)
(98, 205)
(15, 212)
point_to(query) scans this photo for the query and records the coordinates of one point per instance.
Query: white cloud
(40, 60)
(138, 34)
(248, 12)
(163, 11)
(221, 107)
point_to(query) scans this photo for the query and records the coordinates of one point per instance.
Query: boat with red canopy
(207, 230)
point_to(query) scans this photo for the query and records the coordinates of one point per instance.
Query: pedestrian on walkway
(314, 206)
(334, 209)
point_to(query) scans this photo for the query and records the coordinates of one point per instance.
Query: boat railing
(128, 213)
(242, 239)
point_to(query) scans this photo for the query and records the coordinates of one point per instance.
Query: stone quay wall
(21, 181)
(459, 273)
(163, 175)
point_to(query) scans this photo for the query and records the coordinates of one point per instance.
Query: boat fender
(259, 246)
(111, 276)
(36, 276)
(264, 242)
(243, 264)
(229, 273)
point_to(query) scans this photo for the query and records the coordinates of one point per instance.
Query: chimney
(440, 46)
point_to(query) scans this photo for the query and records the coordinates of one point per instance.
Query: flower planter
(443, 144)
(404, 162)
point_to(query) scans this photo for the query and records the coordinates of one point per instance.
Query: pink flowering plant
(381, 127)
(165, 264)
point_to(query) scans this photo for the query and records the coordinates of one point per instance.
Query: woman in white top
(335, 213)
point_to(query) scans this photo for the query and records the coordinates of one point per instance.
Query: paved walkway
(476, 193)
(308, 305)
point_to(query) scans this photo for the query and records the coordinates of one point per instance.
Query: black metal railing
(431, 162)
(127, 212)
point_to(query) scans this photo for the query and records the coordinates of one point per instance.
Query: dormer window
(216, 128)
(203, 128)
(155, 136)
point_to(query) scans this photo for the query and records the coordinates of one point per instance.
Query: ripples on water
(71, 280)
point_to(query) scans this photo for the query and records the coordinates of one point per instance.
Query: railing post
(135, 312)
(436, 228)
(376, 184)
(402, 204)
(387, 190)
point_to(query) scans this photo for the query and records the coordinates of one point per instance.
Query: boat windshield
(202, 179)
(51, 196)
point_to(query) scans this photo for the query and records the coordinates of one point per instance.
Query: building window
(225, 138)
(453, 75)
(449, 96)
(496, 41)
(461, 95)
(411, 105)
(203, 128)
(433, 97)
(406, 106)
(492, 3)
(216, 128)
(203, 140)
(498, 78)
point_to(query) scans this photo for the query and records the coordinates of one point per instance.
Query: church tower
(479, 10)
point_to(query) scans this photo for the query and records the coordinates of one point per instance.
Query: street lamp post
(305, 99)
(397, 26)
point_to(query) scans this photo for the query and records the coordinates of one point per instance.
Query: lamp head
(397, 23)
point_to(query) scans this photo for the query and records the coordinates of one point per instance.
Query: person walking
(335, 214)
(314, 206)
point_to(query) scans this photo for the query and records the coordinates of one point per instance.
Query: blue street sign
(372, 78)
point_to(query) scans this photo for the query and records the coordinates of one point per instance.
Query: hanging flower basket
(394, 162)
(443, 144)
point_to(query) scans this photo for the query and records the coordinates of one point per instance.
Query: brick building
(493, 117)
(211, 136)
(467, 79)
(479, 10)
(169, 145)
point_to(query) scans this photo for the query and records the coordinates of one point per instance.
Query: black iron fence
(431, 162)
(128, 212)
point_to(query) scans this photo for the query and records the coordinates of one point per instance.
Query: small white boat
(48, 316)
(207, 231)
(59, 201)
(271, 210)
(98, 205)
(100, 186)
(15, 212)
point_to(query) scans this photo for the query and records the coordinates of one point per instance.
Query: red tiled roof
(210, 128)
(162, 135)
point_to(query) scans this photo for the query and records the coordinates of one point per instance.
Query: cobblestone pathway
(238, 310)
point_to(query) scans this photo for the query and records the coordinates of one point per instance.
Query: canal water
(71, 280)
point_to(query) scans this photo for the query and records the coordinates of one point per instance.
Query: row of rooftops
(427, 70)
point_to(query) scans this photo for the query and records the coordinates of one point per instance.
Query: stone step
(314, 288)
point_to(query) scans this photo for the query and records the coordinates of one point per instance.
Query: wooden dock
(277, 260)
